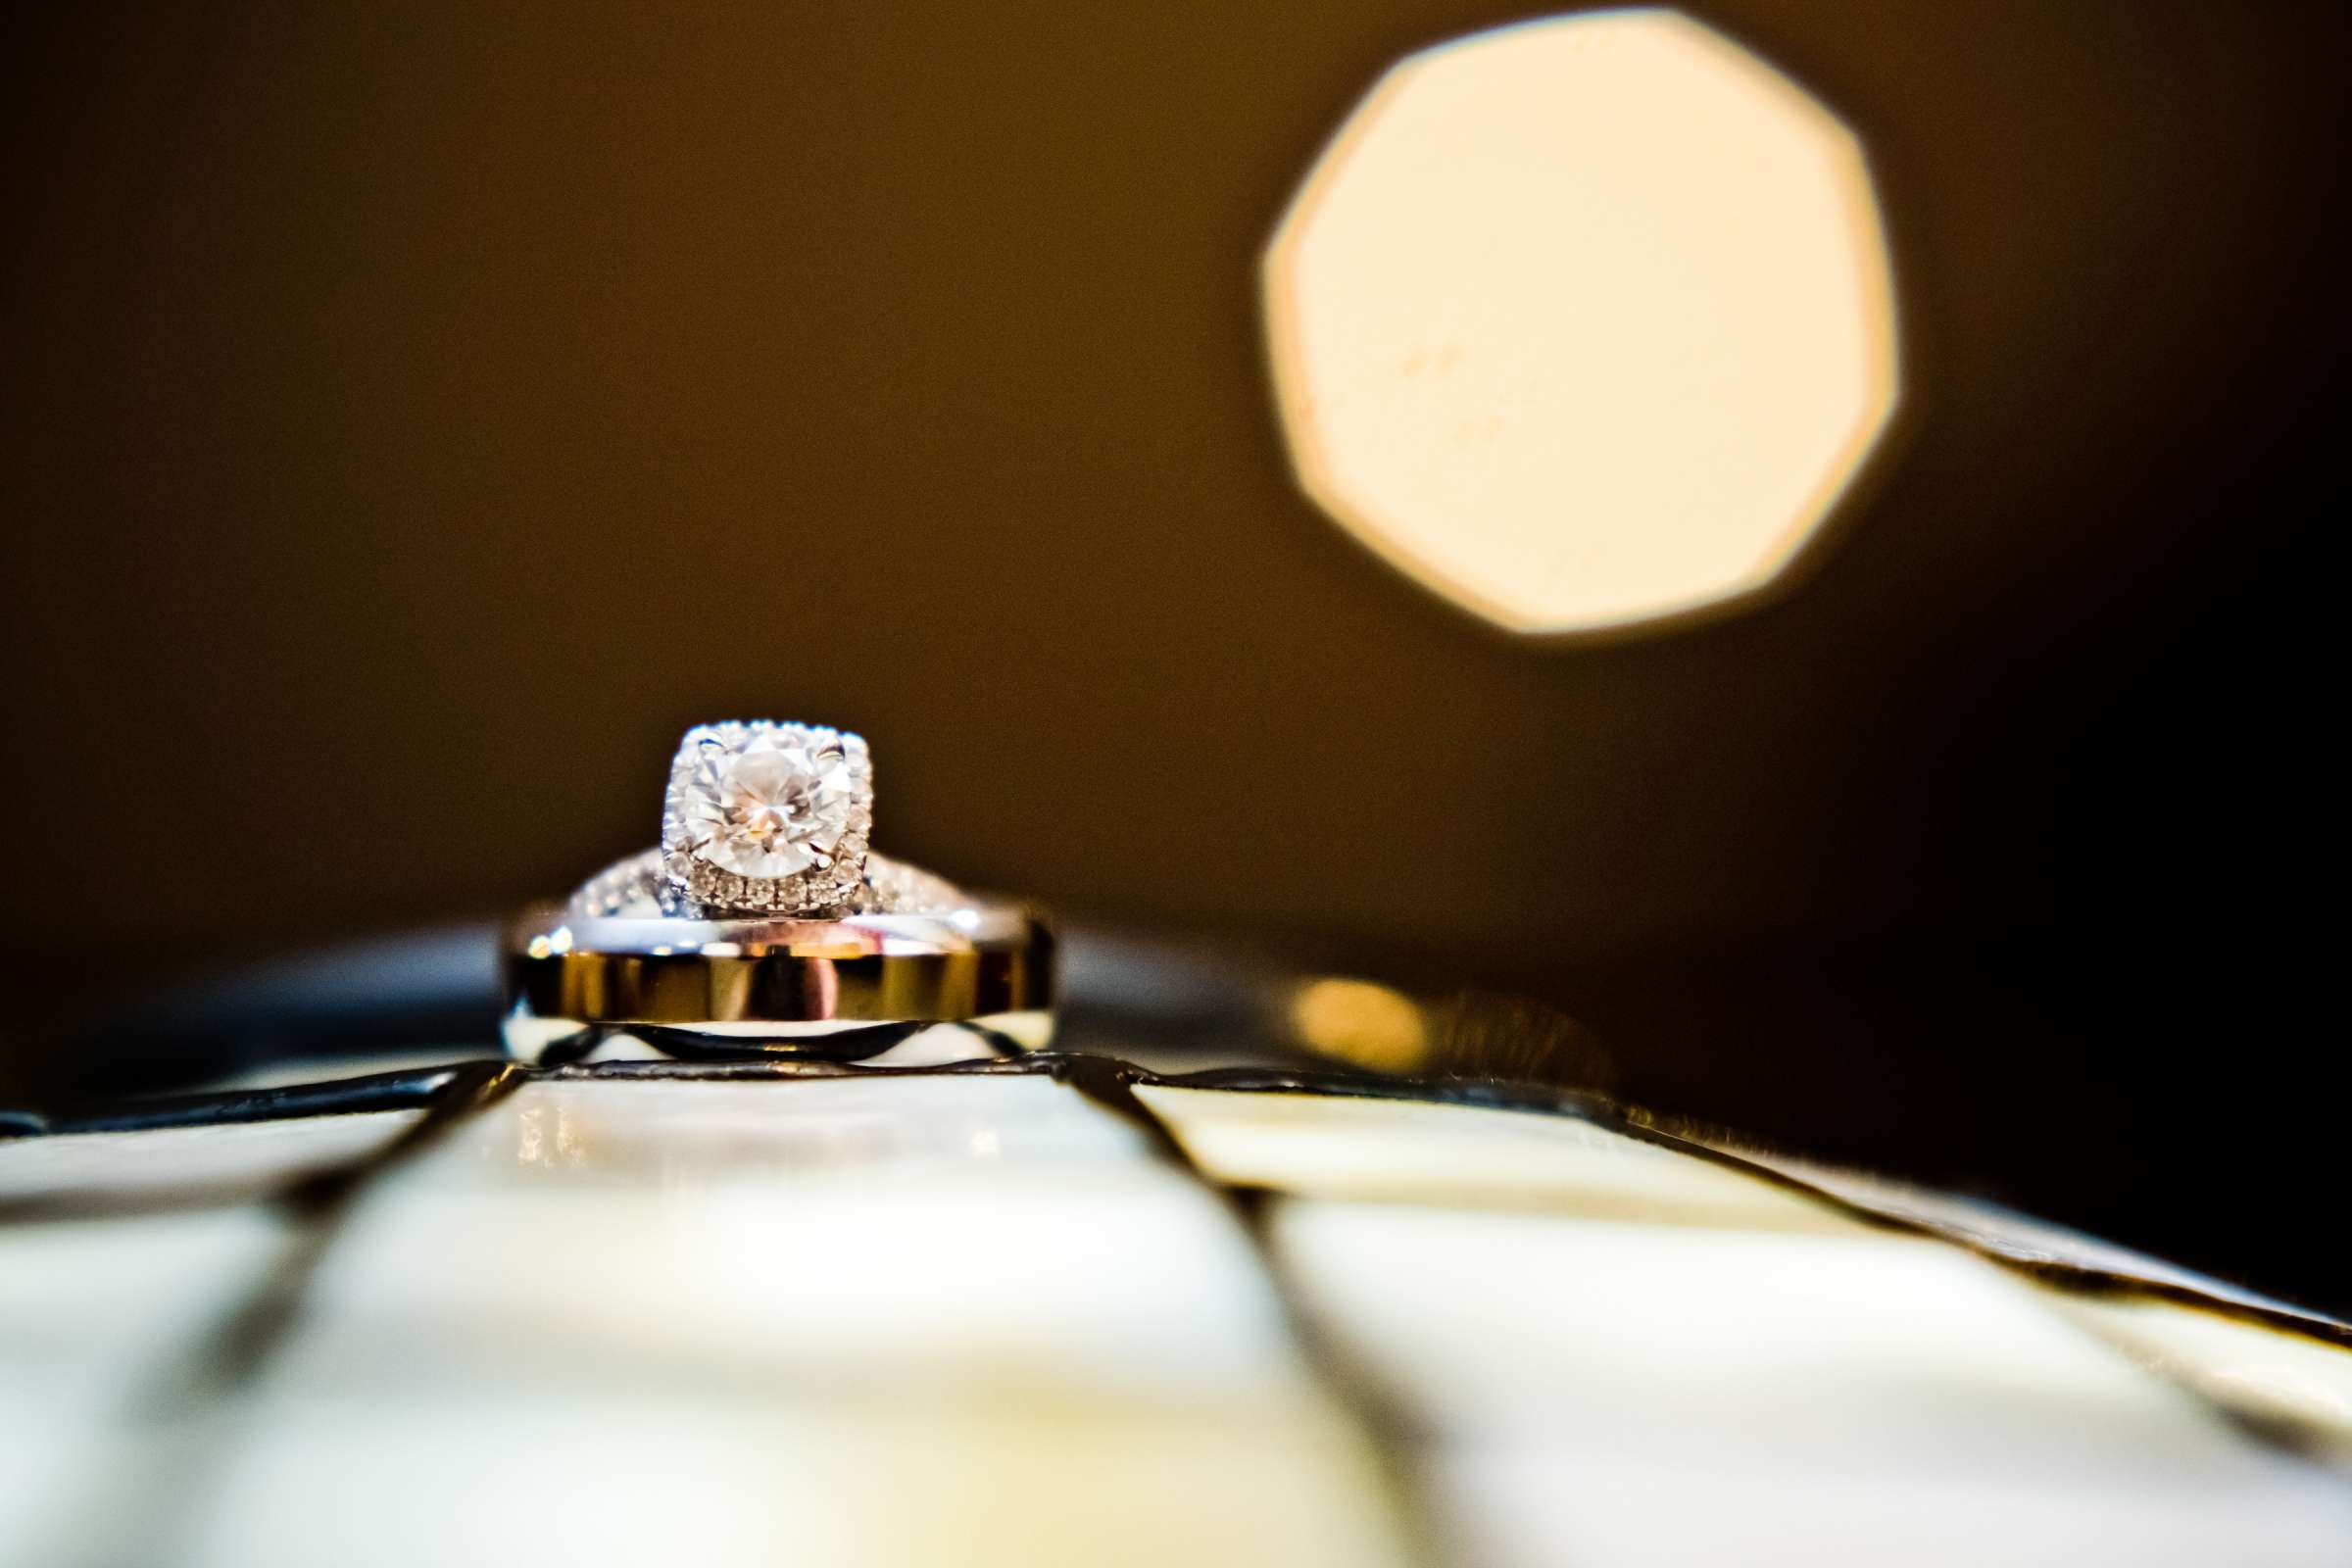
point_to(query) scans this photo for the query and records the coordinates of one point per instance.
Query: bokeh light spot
(1584, 321)
(1361, 1022)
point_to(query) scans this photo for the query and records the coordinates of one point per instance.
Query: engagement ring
(762, 925)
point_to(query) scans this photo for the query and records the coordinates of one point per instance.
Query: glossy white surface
(977, 1318)
(1603, 1391)
(962, 1319)
(215, 1164)
(1413, 1151)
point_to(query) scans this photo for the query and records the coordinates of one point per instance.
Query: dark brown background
(415, 415)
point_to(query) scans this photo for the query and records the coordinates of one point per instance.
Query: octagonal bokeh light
(1584, 321)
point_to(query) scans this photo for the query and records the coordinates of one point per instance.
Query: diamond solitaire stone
(768, 817)
(774, 810)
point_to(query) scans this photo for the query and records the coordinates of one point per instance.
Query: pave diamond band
(639, 888)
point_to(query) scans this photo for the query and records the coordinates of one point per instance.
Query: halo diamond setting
(768, 817)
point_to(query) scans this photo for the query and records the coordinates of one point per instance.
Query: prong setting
(767, 818)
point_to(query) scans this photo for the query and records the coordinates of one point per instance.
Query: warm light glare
(1584, 321)
(1358, 1022)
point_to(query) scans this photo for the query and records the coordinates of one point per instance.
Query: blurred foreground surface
(1057, 1310)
